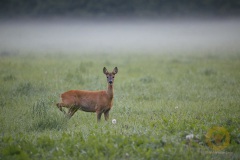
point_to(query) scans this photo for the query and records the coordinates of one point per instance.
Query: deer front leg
(99, 114)
(106, 114)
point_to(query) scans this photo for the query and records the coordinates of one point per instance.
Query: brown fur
(90, 101)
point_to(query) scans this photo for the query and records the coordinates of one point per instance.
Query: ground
(159, 99)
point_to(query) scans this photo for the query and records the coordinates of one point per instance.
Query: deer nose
(110, 82)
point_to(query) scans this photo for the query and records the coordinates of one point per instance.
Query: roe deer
(90, 101)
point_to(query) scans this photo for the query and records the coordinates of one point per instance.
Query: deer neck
(110, 91)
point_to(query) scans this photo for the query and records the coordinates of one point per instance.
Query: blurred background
(119, 26)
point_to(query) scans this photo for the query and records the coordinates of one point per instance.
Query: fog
(114, 36)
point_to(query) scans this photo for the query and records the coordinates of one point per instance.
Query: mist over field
(117, 35)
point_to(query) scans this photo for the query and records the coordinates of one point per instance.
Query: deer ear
(115, 71)
(105, 71)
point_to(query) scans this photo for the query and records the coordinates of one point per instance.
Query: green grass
(159, 100)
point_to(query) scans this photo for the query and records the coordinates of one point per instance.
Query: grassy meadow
(159, 100)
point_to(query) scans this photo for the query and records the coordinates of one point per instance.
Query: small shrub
(9, 77)
(5, 54)
(209, 72)
(25, 88)
(75, 78)
(39, 109)
(43, 119)
(14, 152)
(28, 89)
(147, 79)
(83, 67)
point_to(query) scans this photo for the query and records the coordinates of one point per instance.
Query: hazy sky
(119, 35)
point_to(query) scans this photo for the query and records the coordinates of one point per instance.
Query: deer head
(110, 75)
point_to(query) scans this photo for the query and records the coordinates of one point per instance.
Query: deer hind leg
(72, 110)
(60, 105)
(106, 114)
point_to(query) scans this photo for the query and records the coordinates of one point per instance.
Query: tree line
(44, 8)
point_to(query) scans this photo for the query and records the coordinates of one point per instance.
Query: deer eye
(113, 76)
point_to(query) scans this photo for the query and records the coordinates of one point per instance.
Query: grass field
(159, 100)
